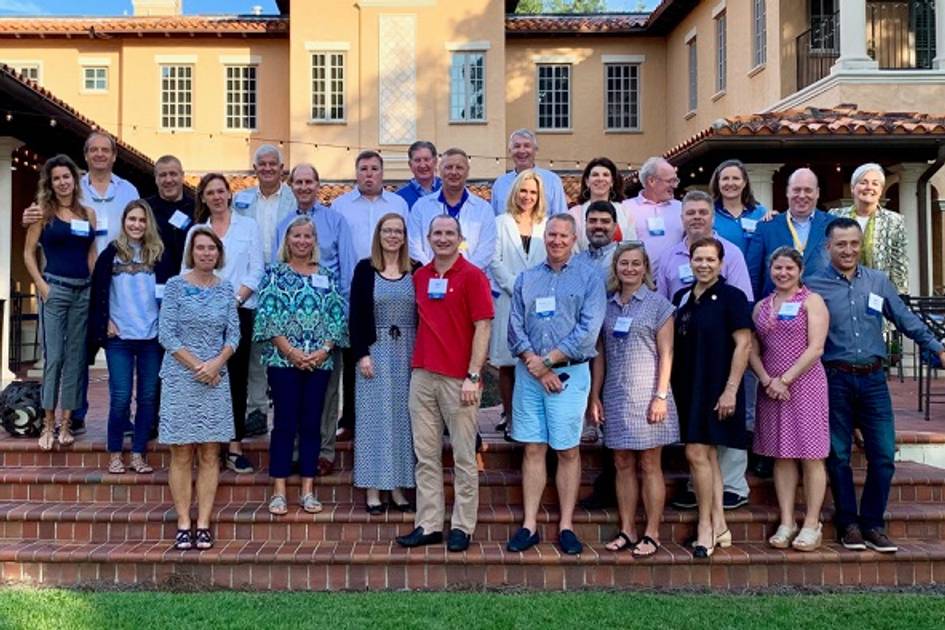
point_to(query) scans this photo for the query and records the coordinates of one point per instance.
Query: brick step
(912, 482)
(336, 566)
(98, 523)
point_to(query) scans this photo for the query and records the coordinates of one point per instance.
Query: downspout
(924, 227)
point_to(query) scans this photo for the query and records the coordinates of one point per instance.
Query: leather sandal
(310, 504)
(65, 433)
(184, 540)
(809, 538)
(783, 536)
(48, 437)
(646, 540)
(278, 505)
(115, 465)
(204, 538)
(139, 465)
(621, 542)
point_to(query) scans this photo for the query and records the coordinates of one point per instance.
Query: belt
(66, 285)
(855, 368)
(569, 363)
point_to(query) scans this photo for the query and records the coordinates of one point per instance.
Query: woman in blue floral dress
(302, 313)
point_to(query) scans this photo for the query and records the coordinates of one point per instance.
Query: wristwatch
(473, 376)
(547, 362)
(662, 395)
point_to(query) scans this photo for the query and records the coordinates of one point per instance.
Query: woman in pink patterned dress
(792, 421)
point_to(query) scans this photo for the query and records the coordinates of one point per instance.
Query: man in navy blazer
(802, 227)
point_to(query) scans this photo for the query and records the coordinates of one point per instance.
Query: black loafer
(458, 540)
(405, 508)
(376, 509)
(685, 501)
(522, 540)
(417, 538)
(733, 501)
(569, 542)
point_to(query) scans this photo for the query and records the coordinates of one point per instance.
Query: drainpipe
(923, 206)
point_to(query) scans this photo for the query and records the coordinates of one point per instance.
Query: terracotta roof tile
(621, 23)
(118, 26)
(846, 120)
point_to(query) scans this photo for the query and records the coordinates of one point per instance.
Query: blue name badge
(191, 291)
(622, 327)
(685, 274)
(875, 304)
(179, 220)
(789, 311)
(545, 307)
(656, 226)
(436, 289)
(79, 227)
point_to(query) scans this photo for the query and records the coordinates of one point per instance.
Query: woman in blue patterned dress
(383, 329)
(199, 330)
(302, 314)
(630, 393)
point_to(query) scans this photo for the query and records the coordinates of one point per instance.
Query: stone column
(853, 38)
(909, 174)
(939, 62)
(761, 177)
(7, 146)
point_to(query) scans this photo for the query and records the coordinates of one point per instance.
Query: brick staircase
(65, 521)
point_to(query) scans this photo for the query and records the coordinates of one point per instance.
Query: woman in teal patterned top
(302, 313)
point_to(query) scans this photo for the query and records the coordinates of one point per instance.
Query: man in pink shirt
(655, 212)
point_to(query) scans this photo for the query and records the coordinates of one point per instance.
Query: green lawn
(35, 609)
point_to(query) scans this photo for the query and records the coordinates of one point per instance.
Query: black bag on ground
(21, 409)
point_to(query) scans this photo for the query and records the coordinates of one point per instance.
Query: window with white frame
(468, 86)
(622, 96)
(721, 59)
(27, 70)
(241, 97)
(328, 86)
(177, 96)
(693, 74)
(554, 96)
(95, 78)
(759, 33)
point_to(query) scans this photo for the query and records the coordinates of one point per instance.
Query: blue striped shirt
(132, 304)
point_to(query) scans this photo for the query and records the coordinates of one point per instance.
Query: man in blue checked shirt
(557, 311)
(858, 299)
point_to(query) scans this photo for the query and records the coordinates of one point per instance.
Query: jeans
(860, 400)
(125, 357)
(297, 400)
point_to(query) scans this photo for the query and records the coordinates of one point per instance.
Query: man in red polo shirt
(455, 310)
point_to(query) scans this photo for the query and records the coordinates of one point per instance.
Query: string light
(9, 116)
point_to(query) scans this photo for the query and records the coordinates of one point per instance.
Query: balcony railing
(899, 36)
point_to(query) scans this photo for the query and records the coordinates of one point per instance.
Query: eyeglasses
(392, 232)
(672, 181)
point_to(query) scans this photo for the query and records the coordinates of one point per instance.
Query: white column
(939, 62)
(853, 38)
(7, 146)
(909, 208)
(761, 176)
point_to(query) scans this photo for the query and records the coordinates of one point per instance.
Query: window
(468, 86)
(328, 86)
(720, 55)
(554, 96)
(176, 97)
(94, 78)
(759, 33)
(823, 25)
(27, 70)
(240, 97)
(622, 96)
(693, 74)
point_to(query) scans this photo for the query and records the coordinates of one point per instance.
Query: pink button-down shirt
(641, 210)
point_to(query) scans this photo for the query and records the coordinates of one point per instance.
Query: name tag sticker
(79, 227)
(159, 291)
(685, 274)
(436, 289)
(749, 225)
(622, 326)
(101, 225)
(179, 220)
(875, 304)
(789, 310)
(545, 306)
(656, 226)
(243, 200)
(319, 281)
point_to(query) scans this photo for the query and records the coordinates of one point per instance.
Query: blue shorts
(554, 419)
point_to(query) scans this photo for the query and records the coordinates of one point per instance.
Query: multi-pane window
(177, 91)
(693, 74)
(328, 86)
(468, 86)
(27, 70)
(721, 60)
(240, 97)
(823, 25)
(95, 78)
(622, 94)
(554, 96)
(759, 33)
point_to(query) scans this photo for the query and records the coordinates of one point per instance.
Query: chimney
(156, 7)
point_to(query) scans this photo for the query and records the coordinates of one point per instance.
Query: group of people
(713, 322)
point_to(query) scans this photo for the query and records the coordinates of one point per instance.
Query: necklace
(202, 283)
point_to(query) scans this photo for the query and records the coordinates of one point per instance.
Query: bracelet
(784, 382)
(731, 384)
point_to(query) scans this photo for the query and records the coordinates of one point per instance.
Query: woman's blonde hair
(284, 254)
(377, 251)
(203, 230)
(613, 281)
(511, 204)
(151, 245)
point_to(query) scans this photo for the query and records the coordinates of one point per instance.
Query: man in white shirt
(475, 216)
(523, 146)
(268, 203)
(363, 206)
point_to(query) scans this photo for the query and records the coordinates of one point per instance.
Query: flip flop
(643, 554)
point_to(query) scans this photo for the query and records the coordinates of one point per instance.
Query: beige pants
(435, 400)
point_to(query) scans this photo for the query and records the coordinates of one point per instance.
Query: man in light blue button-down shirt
(557, 312)
(523, 145)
